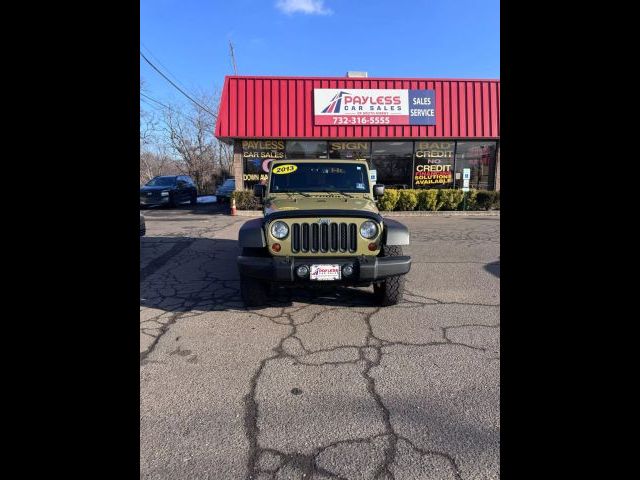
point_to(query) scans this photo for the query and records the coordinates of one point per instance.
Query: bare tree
(153, 164)
(188, 130)
(225, 156)
(149, 124)
(179, 138)
(148, 129)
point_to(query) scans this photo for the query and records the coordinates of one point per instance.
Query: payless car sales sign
(374, 107)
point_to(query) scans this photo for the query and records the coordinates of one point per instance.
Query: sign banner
(433, 165)
(257, 155)
(374, 107)
(349, 150)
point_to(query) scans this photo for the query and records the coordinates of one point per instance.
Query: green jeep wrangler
(321, 226)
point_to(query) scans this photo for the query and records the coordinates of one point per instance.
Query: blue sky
(387, 38)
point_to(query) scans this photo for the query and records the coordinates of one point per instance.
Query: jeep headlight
(164, 193)
(368, 229)
(279, 230)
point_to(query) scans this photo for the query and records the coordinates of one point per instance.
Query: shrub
(423, 200)
(471, 200)
(428, 200)
(388, 201)
(245, 200)
(450, 199)
(407, 200)
(486, 199)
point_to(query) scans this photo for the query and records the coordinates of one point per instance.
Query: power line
(176, 86)
(188, 117)
(164, 67)
(156, 101)
(155, 107)
(148, 103)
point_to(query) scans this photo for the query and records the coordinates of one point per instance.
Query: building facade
(415, 133)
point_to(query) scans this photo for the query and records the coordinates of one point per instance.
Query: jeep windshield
(319, 177)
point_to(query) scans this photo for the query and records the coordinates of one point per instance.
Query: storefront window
(480, 157)
(433, 165)
(393, 162)
(350, 150)
(304, 149)
(257, 155)
(419, 164)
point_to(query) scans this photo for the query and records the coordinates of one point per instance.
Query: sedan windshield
(319, 177)
(162, 182)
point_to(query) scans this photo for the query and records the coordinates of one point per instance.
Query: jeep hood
(319, 202)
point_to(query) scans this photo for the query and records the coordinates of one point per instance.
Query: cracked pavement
(319, 384)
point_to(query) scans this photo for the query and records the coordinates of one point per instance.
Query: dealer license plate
(325, 272)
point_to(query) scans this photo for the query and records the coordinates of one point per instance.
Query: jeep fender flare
(252, 235)
(394, 233)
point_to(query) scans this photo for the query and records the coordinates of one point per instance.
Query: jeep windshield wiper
(295, 193)
(337, 191)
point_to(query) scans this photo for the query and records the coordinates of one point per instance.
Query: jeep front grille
(314, 237)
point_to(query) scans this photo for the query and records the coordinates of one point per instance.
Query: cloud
(310, 7)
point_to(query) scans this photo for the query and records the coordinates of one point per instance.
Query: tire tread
(390, 291)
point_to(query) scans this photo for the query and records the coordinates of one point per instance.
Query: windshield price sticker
(284, 169)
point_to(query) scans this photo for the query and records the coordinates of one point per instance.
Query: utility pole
(233, 59)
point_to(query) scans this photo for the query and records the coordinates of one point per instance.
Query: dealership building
(414, 132)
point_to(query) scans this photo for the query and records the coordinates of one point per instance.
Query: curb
(248, 213)
(453, 213)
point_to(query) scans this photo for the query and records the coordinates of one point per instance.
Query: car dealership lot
(321, 384)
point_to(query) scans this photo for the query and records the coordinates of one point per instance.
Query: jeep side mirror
(259, 190)
(378, 190)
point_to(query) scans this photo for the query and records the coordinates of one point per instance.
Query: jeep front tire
(390, 290)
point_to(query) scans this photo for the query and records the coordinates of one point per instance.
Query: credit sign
(374, 107)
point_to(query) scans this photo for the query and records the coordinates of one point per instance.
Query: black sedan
(169, 190)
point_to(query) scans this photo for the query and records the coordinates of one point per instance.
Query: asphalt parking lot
(320, 384)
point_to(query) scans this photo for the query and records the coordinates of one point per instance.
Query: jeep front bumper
(283, 269)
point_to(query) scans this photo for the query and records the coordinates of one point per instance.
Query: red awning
(282, 107)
